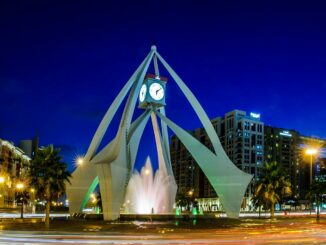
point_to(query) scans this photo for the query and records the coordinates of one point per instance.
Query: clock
(152, 92)
(142, 92)
(156, 91)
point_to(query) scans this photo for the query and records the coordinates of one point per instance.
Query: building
(13, 169)
(29, 146)
(249, 144)
(305, 161)
(321, 169)
(282, 146)
(242, 137)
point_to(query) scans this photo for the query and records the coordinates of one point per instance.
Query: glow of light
(20, 186)
(80, 161)
(311, 151)
(254, 115)
(32, 190)
(2, 179)
(149, 192)
(286, 133)
(190, 193)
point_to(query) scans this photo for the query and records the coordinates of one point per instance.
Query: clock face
(142, 93)
(156, 91)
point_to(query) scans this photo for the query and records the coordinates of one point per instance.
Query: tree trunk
(22, 210)
(317, 204)
(47, 209)
(272, 210)
(259, 210)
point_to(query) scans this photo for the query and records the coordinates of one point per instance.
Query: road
(221, 231)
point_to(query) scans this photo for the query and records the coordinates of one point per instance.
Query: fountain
(148, 193)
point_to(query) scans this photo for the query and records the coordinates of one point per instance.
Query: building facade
(29, 146)
(282, 146)
(242, 137)
(249, 143)
(13, 169)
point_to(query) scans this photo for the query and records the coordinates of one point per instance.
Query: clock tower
(152, 92)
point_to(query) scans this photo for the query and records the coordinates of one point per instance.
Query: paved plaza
(294, 230)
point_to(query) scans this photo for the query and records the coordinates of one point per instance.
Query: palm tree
(318, 188)
(258, 202)
(272, 185)
(48, 176)
(22, 199)
(183, 200)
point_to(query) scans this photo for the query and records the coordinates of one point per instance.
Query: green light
(194, 211)
(89, 192)
(177, 211)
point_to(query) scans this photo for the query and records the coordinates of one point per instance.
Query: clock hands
(157, 90)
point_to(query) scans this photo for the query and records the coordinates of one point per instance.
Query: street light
(80, 161)
(2, 179)
(311, 152)
(20, 186)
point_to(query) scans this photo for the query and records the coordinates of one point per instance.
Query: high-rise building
(305, 161)
(321, 169)
(29, 146)
(242, 137)
(282, 146)
(287, 147)
(249, 144)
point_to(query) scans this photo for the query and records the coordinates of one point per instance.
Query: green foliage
(47, 169)
(22, 197)
(183, 200)
(48, 176)
(272, 186)
(318, 188)
(316, 192)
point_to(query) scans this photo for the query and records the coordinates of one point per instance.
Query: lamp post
(20, 186)
(311, 152)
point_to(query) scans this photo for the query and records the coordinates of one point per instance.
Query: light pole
(20, 186)
(311, 152)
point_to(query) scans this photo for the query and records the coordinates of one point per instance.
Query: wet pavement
(298, 230)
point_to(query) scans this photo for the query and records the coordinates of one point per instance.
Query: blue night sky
(63, 62)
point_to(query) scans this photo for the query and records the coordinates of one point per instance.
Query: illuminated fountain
(148, 193)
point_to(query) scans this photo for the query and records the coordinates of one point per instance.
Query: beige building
(13, 170)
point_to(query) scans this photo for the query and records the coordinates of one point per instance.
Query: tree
(98, 204)
(316, 192)
(272, 185)
(259, 202)
(48, 176)
(22, 199)
(183, 200)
